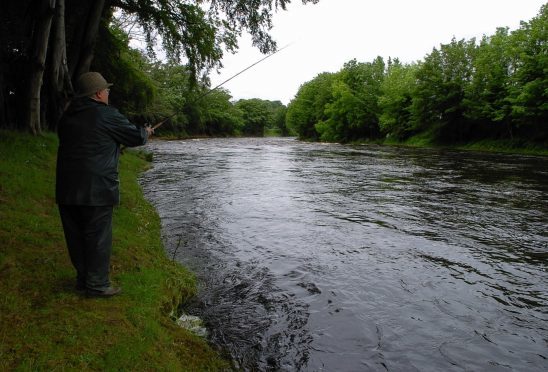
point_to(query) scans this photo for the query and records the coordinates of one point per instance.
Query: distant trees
(486, 97)
(465, 90)
(353, 111)
(262, 115)
(46, 44)
(527, 90)
(438, 97)
(255, 116)
(461, 91)
(308, 107)
(197, 110)
(396, 99)
(151, 91)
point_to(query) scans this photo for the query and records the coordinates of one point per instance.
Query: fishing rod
(159, 124)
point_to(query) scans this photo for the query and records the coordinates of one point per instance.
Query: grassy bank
(507, 146)
(45, 324)
(500, 146)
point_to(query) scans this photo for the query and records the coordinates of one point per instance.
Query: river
(326, 257)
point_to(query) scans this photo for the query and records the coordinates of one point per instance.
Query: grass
(420, 140)
(507, 146)
(517, 146)
(272, 132)
(45, 324)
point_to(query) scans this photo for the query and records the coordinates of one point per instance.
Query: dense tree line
(149, 91)
(46, 44)
(495, 88)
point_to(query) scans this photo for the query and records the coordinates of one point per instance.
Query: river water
(324, 257)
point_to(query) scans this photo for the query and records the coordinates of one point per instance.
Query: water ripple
(316, 257)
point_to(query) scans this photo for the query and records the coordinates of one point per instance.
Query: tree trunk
(3, 102)
(39, 47)
(87, 43)
(59, 77)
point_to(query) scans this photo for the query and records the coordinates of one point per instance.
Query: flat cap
(90, 83)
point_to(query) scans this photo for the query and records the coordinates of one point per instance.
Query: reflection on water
(360, 258)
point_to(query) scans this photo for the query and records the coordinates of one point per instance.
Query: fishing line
(224, 82)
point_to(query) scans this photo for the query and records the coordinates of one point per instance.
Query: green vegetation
(45, 324)
(507, 146)
(150, 91)
(46, 45)
(494, 91)
(260, 117)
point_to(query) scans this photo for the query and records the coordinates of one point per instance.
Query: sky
(323, 36)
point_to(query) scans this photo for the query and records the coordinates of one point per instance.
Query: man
(90, 135)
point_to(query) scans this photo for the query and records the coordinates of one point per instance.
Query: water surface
(324, 257)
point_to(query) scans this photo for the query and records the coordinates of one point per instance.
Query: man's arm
(122, 130)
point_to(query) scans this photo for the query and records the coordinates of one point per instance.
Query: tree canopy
(462, 91)
(46, 44)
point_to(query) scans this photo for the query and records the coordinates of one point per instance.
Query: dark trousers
(88, 233)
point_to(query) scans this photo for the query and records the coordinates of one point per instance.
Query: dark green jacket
(90, 134)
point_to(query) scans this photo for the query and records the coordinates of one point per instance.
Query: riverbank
(45, 324)
(495, 146)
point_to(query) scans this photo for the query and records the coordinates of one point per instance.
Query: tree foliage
(486, 97)
(353, 112)
(461, 91)
(259, 115)
(396, 98)
(135, 88)
(308, 106)
(441, 84)
(46, 44)
(528, 84)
